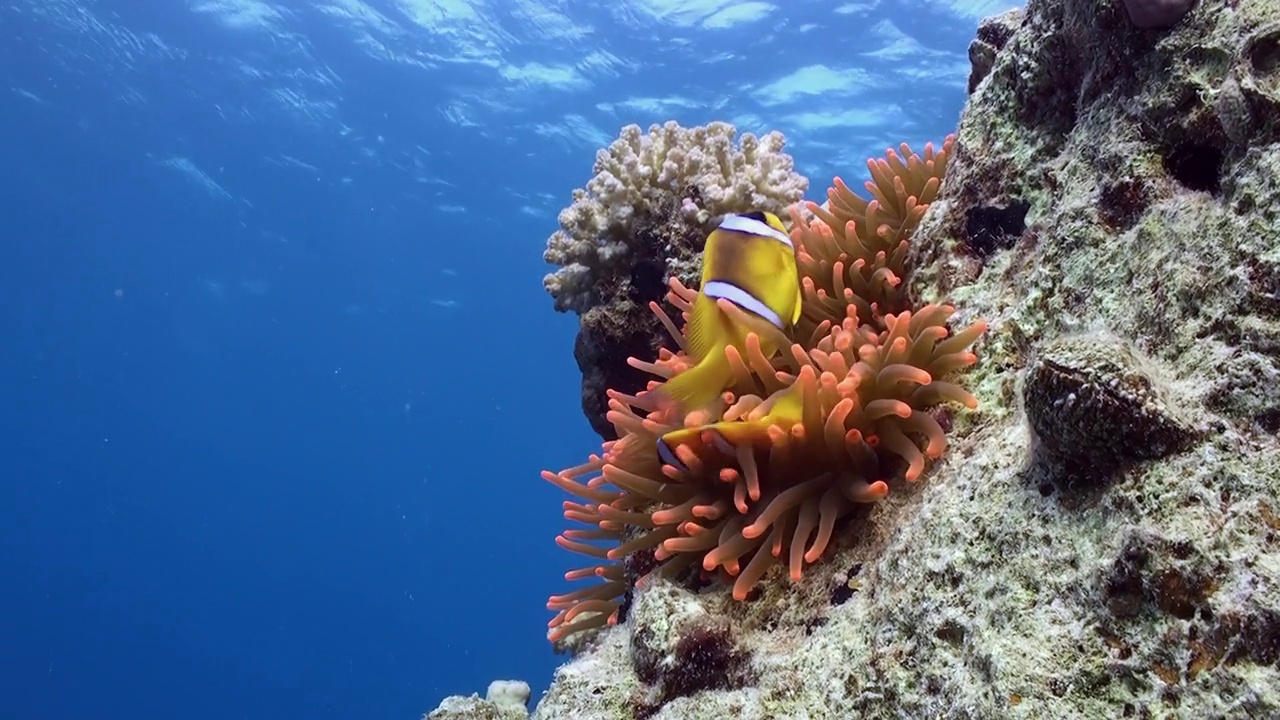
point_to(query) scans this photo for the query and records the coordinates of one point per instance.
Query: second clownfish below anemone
(786, 409)
(748, 261)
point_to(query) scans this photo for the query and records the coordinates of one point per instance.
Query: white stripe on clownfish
(751, 226)
(743, 299)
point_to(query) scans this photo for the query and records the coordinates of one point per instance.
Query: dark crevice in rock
(1263, 52)
(845, 589)
(1195, 165)
(648, 281)
(990, 228)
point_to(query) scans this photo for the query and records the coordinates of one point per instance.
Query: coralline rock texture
(993, 34)
(620, 324)
(1107, 180)
(679, 649)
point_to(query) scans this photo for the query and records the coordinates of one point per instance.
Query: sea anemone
(866, 373)
(856, 253)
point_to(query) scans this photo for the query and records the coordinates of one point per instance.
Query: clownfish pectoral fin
(724, 436)
(795, 314)
(704, 330)
(701, 384)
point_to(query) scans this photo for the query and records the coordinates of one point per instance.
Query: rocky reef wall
(1103, 538)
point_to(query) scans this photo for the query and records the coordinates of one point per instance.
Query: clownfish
(749, 261)
(728, 435)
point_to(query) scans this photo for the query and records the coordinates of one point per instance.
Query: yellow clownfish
(749, 261)
(728, 435)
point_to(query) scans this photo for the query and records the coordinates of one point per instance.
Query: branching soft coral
(802, 439)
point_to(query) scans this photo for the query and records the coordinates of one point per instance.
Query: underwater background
(278, 368)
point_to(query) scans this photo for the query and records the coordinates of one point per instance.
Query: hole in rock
(1264, 53)
(1195, 166)
(990, 228)
(648, 281)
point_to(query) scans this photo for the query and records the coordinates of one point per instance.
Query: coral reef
(865, 372)
(643, 218)
(1111, 186)
(505, 700)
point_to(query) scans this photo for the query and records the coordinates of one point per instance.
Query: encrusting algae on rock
(1110, 185)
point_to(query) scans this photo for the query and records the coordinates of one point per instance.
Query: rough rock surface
(620, 324)
(505, 700)
(1111, 186)
(993, 34)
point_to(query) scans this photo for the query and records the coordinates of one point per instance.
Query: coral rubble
(505, 700)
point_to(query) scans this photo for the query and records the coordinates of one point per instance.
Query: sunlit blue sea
(278, 371)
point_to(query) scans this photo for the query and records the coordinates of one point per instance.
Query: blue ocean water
(279, 374)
